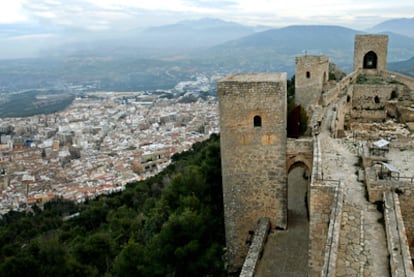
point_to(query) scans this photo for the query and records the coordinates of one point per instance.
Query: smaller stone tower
(370, 53)
(311, 74)
(253, 155)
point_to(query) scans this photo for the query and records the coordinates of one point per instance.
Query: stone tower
(253, 153)
(311, 74)
(370, 53)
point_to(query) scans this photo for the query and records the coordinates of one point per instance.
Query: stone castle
(358, 152)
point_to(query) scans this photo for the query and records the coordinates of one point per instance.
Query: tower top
(370, 52)
(255, 77)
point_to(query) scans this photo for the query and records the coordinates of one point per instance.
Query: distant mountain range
(160, 57)
(405, 67)
(276, 49)
(402, 26)
(193, 34)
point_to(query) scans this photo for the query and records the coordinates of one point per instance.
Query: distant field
(33, 102)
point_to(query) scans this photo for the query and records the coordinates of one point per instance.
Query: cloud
(24, 38)
(124, 14)
(74, 14)
(212, 4)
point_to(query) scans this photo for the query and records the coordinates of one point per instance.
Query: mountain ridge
(403, 26)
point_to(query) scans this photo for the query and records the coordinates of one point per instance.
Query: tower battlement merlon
(310, 60)
(255, 77)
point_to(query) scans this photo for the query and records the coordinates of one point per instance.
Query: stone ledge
(332, 241)
(400, 258)
(256, 248)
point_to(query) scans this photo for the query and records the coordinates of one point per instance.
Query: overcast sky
(107, 14)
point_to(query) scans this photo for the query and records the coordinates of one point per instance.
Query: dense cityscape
(96, 146)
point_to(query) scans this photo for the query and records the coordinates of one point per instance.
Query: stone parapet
(397, 77)
(400, 258)
(322, 197)
(317, 160)
(407, 210)
(256, 248)
(332, 240)
(339, 90)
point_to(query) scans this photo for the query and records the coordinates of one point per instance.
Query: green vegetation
(369, 80)
(168, 225)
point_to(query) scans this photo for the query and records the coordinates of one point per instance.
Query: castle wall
(341, 88)
(299, 151)
(397, 242)
(253, 158)
(369, 101)
(407, 211)
(397, 77)
(366, 43)
(311, 74)
(321, 201)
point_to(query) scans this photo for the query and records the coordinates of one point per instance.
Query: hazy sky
(106, 14)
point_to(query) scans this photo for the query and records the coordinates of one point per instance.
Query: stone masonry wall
(334, 230)
(400, 258)
(407, 210)
(256, 248)
(311, 74)
(253, 157)
(369, 101)
(341, 88)
(394, 76)
(366, 43)
(321, 201)
(299, 151)
(377, 187)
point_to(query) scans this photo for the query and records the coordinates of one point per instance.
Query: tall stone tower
(370, 53)
(311, 74)
(253, 153)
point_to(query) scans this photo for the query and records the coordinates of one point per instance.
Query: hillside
(168, 225)
(404, 67)
(403, 26)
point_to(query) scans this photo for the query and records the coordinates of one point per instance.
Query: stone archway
(299, 160)
(298, 188)
(370, 60)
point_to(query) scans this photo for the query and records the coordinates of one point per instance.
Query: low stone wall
(332, 241)
(407, 114)
(400, 259)
(376, 187)
(407, 210)
(340, 89)
(317, 160)
(322, 198)
(256, 248)
(394, 76)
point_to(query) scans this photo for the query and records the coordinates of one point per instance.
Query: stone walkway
(363, 250)
(286, 252)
